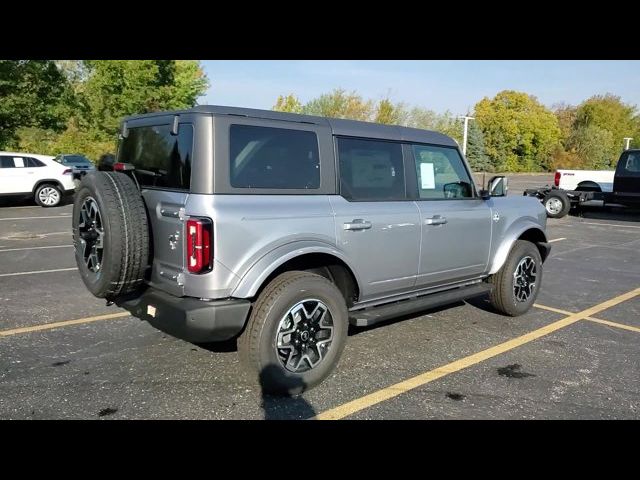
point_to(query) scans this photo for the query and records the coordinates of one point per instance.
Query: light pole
(464, 137)
(627, 140)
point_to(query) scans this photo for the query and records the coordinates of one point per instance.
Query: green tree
(288, 103)
(427, 119)
(594, 147)
(476, 155)
(520, 134)
(340, 104)
(31, 95)
(607, 113)
(116, 88)
(388, 113)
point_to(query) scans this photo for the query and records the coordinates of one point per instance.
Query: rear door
(162, 162)
(455, 221)
(17, 177)
(626, 184)
(377, 226)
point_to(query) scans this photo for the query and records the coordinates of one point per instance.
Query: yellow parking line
(374, 398)
(552, 309)
(614, 324)
(49, 326)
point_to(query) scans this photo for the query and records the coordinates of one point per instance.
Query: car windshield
(76, 159)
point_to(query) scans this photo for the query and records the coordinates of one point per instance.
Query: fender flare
(514, 232)
(253, 279)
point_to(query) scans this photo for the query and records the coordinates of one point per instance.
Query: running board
(373, 315)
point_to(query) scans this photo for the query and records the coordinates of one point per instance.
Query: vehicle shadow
(482, 303)
(226, 346)
(30, 202)
(619, 214)
(283, 408)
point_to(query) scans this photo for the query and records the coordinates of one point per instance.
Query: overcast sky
(454, 85)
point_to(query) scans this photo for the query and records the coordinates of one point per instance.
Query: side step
(373, 315)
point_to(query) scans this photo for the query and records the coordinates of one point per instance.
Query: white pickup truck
(585, 180)
(573, 188)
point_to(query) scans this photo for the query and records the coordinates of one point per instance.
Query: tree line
(511, 132)
(52, 107)
(75, 106)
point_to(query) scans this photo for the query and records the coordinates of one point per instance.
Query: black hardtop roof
(338, 126)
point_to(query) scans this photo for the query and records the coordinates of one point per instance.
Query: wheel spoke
(304, 335)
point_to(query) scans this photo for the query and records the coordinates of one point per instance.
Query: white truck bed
(571, 179)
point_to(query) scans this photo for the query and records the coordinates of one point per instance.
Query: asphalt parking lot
(576, 355)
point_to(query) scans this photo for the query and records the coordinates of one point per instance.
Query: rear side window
(631, 164)
(278, 158)
(32, 162)
(370, 170)
(162, 160)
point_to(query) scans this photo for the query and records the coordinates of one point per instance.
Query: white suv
(28, 174)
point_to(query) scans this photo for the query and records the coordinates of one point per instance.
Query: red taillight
(199, 252)
(68, 171)
(556, 179)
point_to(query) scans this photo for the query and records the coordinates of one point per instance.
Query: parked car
(573, 188)
(28, 174)
(80, 164)
(282, 229)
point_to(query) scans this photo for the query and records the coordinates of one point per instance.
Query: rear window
(162, 160)
(278, 158)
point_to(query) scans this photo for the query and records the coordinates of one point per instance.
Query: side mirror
(498, 186)
(484, 194)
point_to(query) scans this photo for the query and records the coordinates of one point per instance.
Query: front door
(455, 222)
(626, 183)
(377, 227)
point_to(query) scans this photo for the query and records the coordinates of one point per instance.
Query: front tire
(296, 333)
(48, 195)
(517, 283)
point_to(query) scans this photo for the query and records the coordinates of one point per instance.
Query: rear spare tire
(110, 234)
(557, 204)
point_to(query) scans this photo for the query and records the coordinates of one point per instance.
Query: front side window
(441, 173)
(277, 158)
(370, 170)
(6, 162)
(161, 160)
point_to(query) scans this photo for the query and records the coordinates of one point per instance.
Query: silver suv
(281, 229)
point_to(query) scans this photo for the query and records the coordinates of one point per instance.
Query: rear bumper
(189, 318)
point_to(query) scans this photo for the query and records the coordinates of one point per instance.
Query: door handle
(435, 220)
(357, 224)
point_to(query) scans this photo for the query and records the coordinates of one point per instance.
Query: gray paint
(255, 231)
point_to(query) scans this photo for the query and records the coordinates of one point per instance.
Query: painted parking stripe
(591, 319)
(610, 225)
(392, 391)
(557, 239)
(50, 326)
(33, 218)
(34, 248)
(614, 324)
(37, 271)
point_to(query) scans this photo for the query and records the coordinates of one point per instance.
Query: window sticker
(427, 177)
(18, 161)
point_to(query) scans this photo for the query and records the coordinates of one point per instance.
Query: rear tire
(306, 316)
(48, 195)
(513, 293)
(557, 204)
(110, 234)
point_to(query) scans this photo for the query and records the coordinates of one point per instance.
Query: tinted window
(631, 164)
(264, 157)
(6, 162)
(162, 160)
(32, 162)
(441, 173)
(76, 159)
(370, 170)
